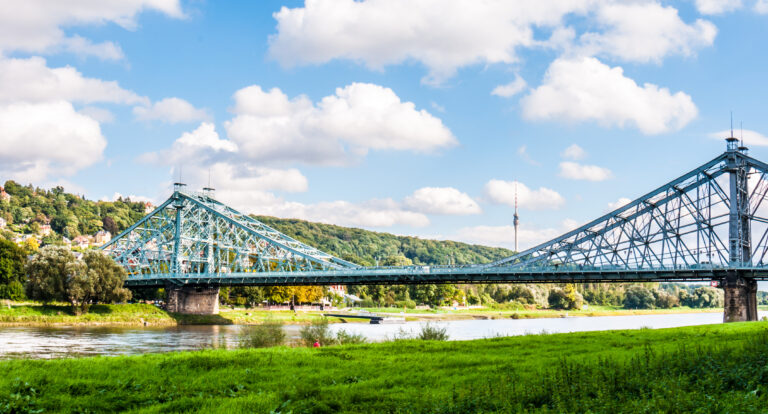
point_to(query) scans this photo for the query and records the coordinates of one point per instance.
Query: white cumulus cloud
(36, 26)
(575, 171)
(510, 89)
(31, 80)
(717, 6)
(585, 89)
(645, 32)
(443, 35)
(621, 202)
(441, 200)
(574, 152)
(170, 110)
(43, 139)
(339, 129)
(503, 192)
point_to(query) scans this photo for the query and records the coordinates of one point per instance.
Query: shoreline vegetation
(36, 314)
(721, 367)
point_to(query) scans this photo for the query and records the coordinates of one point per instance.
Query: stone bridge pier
(740, 298)
(193, 300)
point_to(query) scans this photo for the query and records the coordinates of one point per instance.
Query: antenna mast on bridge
(516, 220)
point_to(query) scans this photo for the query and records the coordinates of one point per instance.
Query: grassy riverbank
(35, 314)
(717, 368)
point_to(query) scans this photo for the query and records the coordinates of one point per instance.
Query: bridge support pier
(193, 300)
(740, 299)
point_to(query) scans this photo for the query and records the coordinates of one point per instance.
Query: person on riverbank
(316, 344)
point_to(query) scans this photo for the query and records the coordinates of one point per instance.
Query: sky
(411, 117)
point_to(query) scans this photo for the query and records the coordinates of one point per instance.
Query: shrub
(345, 338)
(269, 333)
(430, 332)
(406, 304)
(317, 331)
(666, 300)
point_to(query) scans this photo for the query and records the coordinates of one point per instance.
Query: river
(64, 341)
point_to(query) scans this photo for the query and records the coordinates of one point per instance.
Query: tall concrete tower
(516, 220)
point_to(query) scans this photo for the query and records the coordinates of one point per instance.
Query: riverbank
(33, 314)
(664, 370)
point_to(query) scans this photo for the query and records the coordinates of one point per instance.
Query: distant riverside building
(102, 237)
(81, 242)
(340, 290)
(148, 207)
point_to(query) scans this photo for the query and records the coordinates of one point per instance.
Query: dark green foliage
(431, 332)
(70, 215)
(268, 333)
(55, 275)
(366, 247)
(317, 331)
(566, 298)
(639, 297)
(12, 262)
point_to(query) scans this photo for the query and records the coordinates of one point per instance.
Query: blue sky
(381, 114)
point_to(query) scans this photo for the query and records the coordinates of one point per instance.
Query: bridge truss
(704, 225)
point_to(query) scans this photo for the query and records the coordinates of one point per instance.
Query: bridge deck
(443, 274)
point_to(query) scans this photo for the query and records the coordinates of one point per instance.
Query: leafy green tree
(12, 262)
(49, 272)
(639, 297)
(565, 298)
(55, 275)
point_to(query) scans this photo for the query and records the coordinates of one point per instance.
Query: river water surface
(62, 341)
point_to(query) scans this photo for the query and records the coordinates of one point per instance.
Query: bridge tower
(740, 291)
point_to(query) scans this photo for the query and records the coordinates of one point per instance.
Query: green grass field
(715, 368)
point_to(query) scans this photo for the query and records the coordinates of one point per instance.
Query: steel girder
(704, 225)
(193, 235)
(703, 220)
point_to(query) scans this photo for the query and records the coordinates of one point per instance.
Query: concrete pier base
(192, 300)
(740, 299)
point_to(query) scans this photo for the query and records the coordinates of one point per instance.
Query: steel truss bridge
(708, 224)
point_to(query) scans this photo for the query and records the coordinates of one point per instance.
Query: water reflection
(54, 342)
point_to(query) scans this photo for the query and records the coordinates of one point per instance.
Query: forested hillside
(366, 247)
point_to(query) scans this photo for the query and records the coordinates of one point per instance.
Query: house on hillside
(3, 195)
(102, 237)
(148, 207)
(45, 230)
(67, 242)
(3, 223)
(82, 242)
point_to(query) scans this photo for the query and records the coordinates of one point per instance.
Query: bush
(269, 333)
(406, 304)
(345, 338)
(317, 331)
(430, 332)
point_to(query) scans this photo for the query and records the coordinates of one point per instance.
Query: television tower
(516, 220)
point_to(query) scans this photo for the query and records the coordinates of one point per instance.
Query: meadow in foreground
(715, 368)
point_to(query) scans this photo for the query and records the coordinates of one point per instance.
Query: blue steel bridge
(709, 224)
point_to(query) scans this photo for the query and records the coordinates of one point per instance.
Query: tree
(12, 262)
(49, 272)
(565, 298)
(109, 225)
(55, 275)
(639, 297)
(108, 277)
